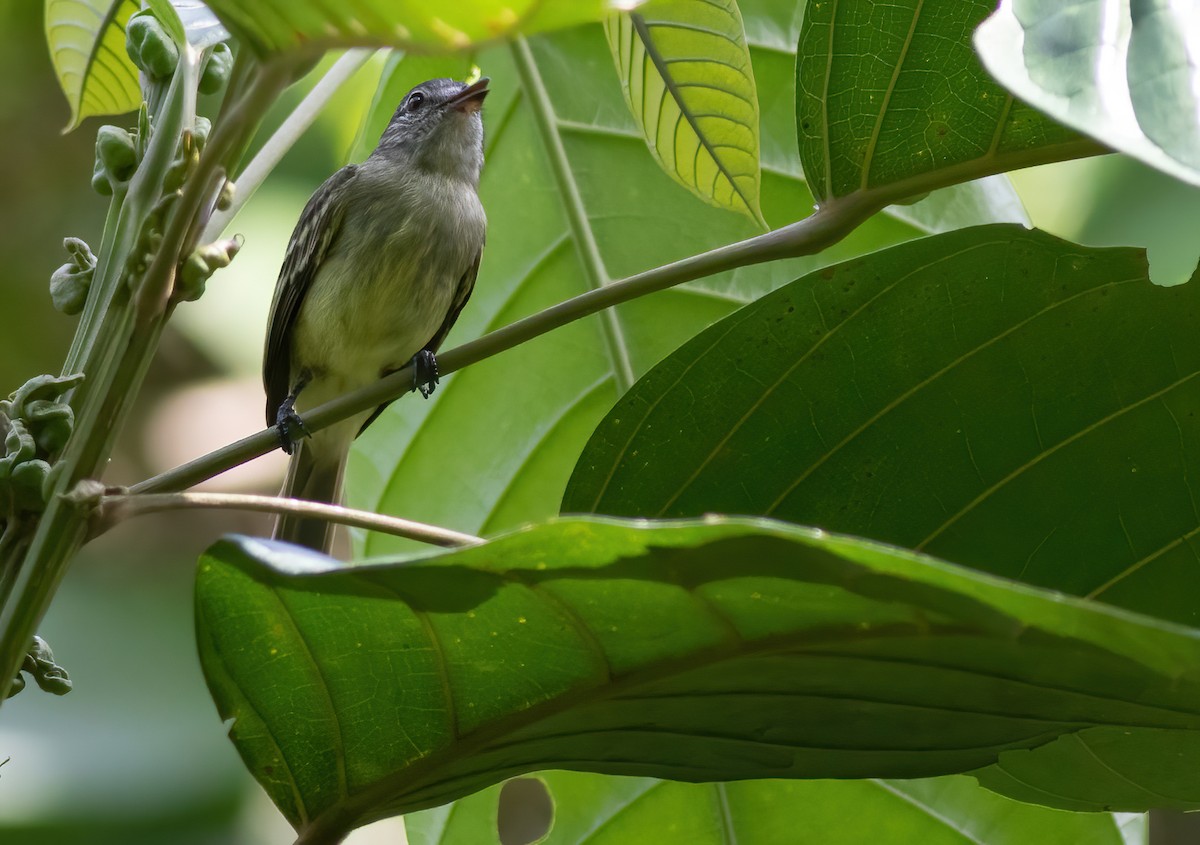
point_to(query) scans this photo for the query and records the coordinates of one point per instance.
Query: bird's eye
(415, 99)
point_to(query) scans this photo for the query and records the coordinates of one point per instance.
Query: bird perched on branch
(380, 264)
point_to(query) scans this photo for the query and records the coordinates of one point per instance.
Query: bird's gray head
(438, 127)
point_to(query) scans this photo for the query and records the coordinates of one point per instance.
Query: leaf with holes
(596, 810)
(715, 650)
(993, 396)
(87, 47)
(685, 70)
(1126, 73)
(430, 27)
(574, 201)
(891, 98)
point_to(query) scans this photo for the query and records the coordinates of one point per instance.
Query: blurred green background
(136, 752)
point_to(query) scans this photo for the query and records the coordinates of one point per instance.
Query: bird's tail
(314, 474)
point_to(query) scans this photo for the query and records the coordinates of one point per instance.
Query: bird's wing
(466, 285)
(316, 230)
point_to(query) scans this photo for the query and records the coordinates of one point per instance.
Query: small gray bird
(379, 266)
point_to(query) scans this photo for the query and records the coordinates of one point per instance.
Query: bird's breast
(389, 280)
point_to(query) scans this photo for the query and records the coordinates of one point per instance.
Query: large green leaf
(992, 396)
(574, 200)
(891, 94)
(685, 71)
(592, 810)
(419, 25)
(87, 47)
(1125, 72)
(710, 650)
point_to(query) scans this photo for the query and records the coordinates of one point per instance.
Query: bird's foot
(425, 372)
(289, 426)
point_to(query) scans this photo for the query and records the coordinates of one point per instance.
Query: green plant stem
(120, 356)
(590, 259)
(115, 508)
(34, 567)
(834, 221)
(89, 320)
(12, 545)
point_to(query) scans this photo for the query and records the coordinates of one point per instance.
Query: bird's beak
(471, 98)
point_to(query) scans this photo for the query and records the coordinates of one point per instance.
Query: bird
(380, 264)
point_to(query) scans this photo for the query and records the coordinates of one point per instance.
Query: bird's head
(438, 127)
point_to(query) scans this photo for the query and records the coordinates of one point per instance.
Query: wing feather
(317, 229)
(466, 285)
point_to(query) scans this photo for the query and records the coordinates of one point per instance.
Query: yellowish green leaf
(685, 69)
(87, 46)
(315, 25)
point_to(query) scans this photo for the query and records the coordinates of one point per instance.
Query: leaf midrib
(664, 71)
(576, 213)
(395, 786)
(98, 35)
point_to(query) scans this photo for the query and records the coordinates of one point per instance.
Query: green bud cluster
(35, 423)
(201, 264)
(150, 47)
(156, 54)
(39, 664)
(181, 167)
(69, 283)
(116, 159)
(217, 68)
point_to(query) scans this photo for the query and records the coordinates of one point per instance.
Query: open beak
(471, 98)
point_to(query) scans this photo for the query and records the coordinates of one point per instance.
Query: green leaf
(437, 461)
(715, 650)
(472, 819)
(992, 396)
(87, 47)
(1127, 73)
(942, 395)
(597, 810)
(686, 75)
(942, 811)
(437, 27)
(891, 98)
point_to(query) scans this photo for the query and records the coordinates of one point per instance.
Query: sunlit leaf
(87, 47)
(596, 810)
(686, 74)
(592, 809)
(315, 25)
(1125, 72)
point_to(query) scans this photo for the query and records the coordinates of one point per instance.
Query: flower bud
(216, 69)
(116, 159)
(150, 47)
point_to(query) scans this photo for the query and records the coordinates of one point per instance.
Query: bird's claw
(289, 426)
(425, 372)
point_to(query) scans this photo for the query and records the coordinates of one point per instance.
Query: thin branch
(823, 228)
(116, 365)
(117, 507)
(285, 137)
